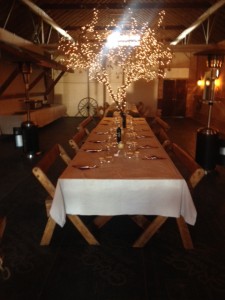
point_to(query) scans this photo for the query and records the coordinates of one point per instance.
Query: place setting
(152, 157)
(147, 147)
(94, 150)
(97, 141)
(85, 167)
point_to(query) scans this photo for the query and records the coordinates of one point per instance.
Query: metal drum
(207, 148)
(30, 138)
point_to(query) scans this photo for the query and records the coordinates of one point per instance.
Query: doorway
(174, 98)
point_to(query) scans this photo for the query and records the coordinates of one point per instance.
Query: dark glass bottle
(118, 135)
(124, 119)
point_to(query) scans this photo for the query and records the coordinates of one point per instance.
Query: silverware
(101, 132)
(146, 147)
(97, 142)
(85, 167)
(143, 136)
(93, 150)
(152, 157)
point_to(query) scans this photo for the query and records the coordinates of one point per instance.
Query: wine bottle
(118, 135)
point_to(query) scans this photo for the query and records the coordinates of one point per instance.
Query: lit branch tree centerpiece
(135, 51)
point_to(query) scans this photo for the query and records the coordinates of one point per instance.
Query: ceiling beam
(99, 27)
(193, 48)
(38, 11)
(123, 5)
(199, 21)
(9, 80)
(25, 50)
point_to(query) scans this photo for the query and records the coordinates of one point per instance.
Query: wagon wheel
(87, 107)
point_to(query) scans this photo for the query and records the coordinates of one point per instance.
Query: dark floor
(70, 269)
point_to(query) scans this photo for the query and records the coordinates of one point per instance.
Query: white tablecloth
(123, 187)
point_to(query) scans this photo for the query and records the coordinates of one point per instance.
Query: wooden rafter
(36, 80)
(27, 51)
(199, 21)
(38, 11)
(9, 80)
(123, 5)
(51, 86)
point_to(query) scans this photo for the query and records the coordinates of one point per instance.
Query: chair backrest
(190, 169)
(162, 137)
(84, 124)
(76, 141)
(146, 111)
(140, 107)
(161, 123)
(46, 162)
(100, 112)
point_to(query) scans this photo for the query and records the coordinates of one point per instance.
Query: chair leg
(184, 233)
(48, 232)
(88, 236)
(2, 226)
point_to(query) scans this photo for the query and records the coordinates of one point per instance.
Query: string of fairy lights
(137, 53)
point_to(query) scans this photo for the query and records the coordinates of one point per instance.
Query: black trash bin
(30, 139)
(207, 148)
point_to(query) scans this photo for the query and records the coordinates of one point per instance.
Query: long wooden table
(137, 187)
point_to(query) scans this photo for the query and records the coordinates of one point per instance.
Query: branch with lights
(137, 54)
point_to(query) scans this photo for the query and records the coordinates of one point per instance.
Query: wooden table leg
(88, 236)
(150, 231)
(184, 233)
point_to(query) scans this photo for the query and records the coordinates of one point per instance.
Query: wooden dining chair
(84, 124)
(40, 171)
(77, 140)
(193, 174)
(161, 123)
(188, 167)
(140, 108)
